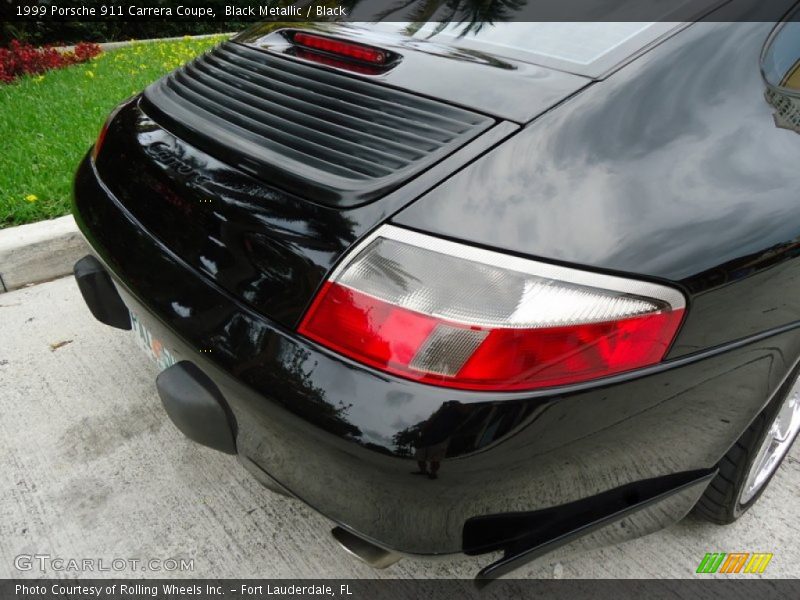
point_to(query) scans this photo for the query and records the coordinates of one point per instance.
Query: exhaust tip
(365, 551)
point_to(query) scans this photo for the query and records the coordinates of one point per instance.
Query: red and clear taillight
(449, 314)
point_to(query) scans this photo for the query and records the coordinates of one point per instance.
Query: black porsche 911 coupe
(510, 289)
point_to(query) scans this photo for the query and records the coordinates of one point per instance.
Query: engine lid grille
(328, 136)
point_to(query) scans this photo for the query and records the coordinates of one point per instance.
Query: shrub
(23, 59)
(40, 33)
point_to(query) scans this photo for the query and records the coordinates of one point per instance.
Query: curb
(123, 43)
(39, 252)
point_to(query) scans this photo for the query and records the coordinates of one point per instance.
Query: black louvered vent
(327, 136)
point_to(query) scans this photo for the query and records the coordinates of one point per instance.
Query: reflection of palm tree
(406, 440)
(309, 399)
(472, 14)
(386, 268)
(292, 371)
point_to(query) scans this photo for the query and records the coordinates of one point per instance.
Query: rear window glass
(584, 48)
(579, 43)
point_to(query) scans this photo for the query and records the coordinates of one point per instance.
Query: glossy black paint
(509, 89)
(268, 247)
(338, 435)
(672, 169)
(689, 181)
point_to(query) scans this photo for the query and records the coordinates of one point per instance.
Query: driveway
(91, 467)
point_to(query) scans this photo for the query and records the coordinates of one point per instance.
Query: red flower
(23, 59)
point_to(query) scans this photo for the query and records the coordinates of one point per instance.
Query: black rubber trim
(99, 293)
(538, 533)
(720, 503)
(196, 406)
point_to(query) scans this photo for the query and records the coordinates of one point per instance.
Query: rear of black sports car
(458, 301)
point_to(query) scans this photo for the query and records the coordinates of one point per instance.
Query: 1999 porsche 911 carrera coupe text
(510, 289)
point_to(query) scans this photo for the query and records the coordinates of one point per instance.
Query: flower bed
(21, 59)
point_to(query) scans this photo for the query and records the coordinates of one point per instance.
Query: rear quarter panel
(672, 169)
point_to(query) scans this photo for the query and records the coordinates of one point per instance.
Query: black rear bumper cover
(331, 431)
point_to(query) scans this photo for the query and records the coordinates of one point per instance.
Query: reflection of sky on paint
(375, 437)
(678, 185)
(640, 170)
(579, 43)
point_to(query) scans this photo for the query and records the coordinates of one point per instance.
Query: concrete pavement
(91, 467)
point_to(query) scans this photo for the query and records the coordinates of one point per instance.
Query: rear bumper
(598, 462)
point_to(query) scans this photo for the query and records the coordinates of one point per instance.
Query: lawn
(48, 122)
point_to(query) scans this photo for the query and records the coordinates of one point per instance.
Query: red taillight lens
(448, 314)
(359, 52)
(101, 137)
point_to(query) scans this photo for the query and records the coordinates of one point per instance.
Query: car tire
(732, 492)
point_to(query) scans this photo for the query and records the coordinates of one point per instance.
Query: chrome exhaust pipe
(365, 551)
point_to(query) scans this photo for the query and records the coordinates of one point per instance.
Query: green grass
(47, 123)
